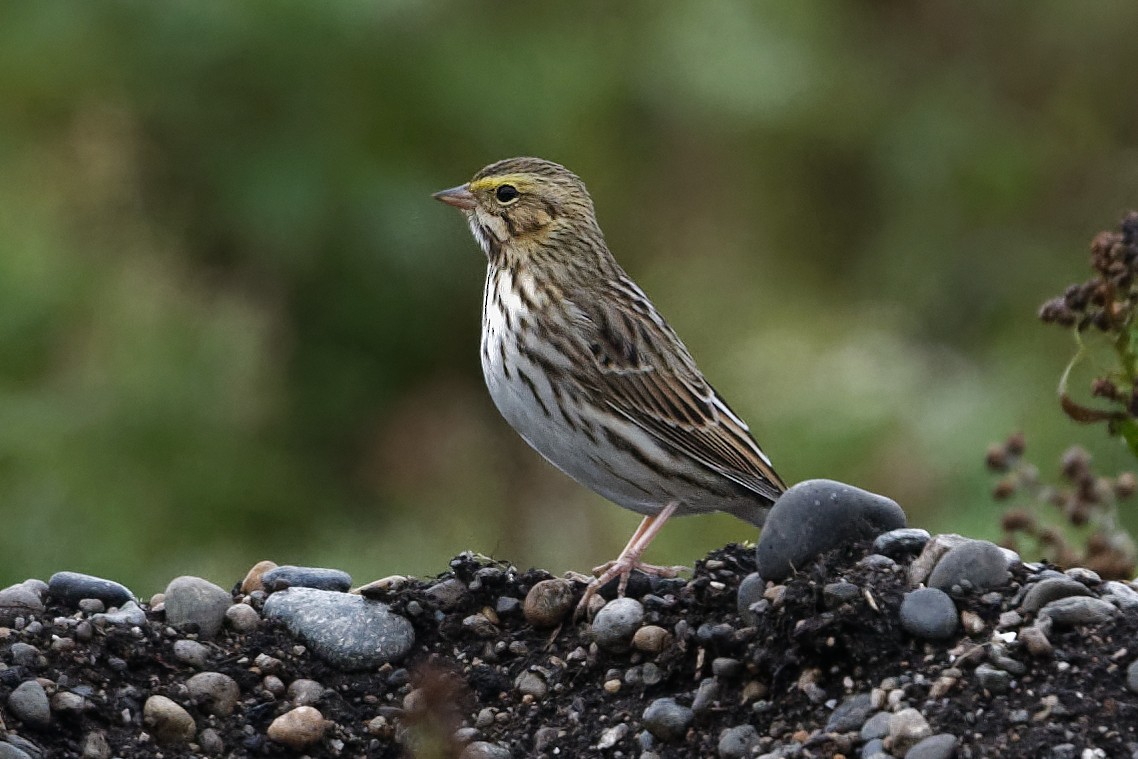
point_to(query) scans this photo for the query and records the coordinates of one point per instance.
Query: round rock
(9, 751)
(750, 592)
(290, 576)
(484, 750)
(298, 728)
(242, 618)
(939, 746)
(252, 581)
(851, 714)
(974, 564)
(667, 720)
(18, 601)
(168, 722)
(1078, 610)
(305, 692)
(617, 622)
(548, 602)
(214, 692)
(192, 653)
(929, 614)
(737, 742)
(28, 701)
(817, 515)
(129, 614)
(72, 587)
(194, 603)
(907, 728)
(346, 630)
(897, 544)
(1050, 589)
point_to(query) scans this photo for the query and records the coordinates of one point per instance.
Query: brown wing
(645, 373)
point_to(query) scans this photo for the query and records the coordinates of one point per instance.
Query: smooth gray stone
(18, 601)
(1132, 676)
(750, 592)
(901, 542)
(73, 587)
(940, 746)
(8, 751)
(874, 748)
(28, 701)
(129, 613)
(1078, 610)
(817, 515)
(349, 631)
(617, 622)
(876, 726)
(737, 742)
(973, 565)
(667, 720)
(485, 750)
(993, 679)
(929, 614)
(1045, 591)
(851, 714)
(192, 601)
(290, 576)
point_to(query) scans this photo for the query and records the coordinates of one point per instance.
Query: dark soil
(801, 658)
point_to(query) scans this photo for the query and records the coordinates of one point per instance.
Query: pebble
(993, 679)
(612, 736)
(705, 696)
(95, 746)
(929, 614)
(480, 626)
(25, 655)
(448, 594)
(253, 578)
(196, 604)
(1035, 640)
(18, 601)
(651, 639)
(485, 750)
(298, 728)
(1053, 588)
(850, 714)
(922, 566)
(667, 720)
(902, 542)
(750, 592)
(907, 728)
(192, 653)
(737, 742)
(1078, 610)
(28, 701)
(8, 751)
(940, 746)
(211, 742)
(214, 692)
(72, 587)
(289, 576)
(91, 606)
(548, 602)
(874, 749)
(242, 618)
(876, 726)
(816, 515)
(167, 722)
(972, 565)
(305, 692)
(349, 631)
(68, 704)
(129, 614)
(727, 668)
(616, 623)
(531, 684)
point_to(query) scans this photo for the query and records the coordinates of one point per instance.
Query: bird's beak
(459, 197)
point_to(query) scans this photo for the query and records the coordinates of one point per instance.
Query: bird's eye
(506, 193)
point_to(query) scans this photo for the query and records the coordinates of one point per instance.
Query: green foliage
(233, 324)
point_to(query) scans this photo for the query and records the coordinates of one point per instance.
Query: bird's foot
(623, 568)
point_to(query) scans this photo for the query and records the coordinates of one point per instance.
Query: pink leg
(629, 558)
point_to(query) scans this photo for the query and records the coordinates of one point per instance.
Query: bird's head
(525, 207)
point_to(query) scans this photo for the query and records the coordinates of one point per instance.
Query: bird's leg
(629, 558)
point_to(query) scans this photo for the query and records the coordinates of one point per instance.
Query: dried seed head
(1125, 485)
(1075, 463)
(1016, 444)
(1004, 489)
(1018, 520)
(997, 457)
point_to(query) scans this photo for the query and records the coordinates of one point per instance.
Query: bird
(585, 369)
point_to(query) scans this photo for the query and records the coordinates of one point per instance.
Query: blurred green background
(235, 326)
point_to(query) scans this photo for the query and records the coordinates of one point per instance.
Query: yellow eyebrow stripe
(520, 181)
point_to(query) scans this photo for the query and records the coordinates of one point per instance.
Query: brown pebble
(651, 639)
(298, 728)
(548, 602)
(1035, 641)
(167, 721)
(252, 579)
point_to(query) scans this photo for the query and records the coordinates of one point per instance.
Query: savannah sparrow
(584, 368)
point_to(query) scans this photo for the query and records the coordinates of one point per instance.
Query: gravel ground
(842, 658)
